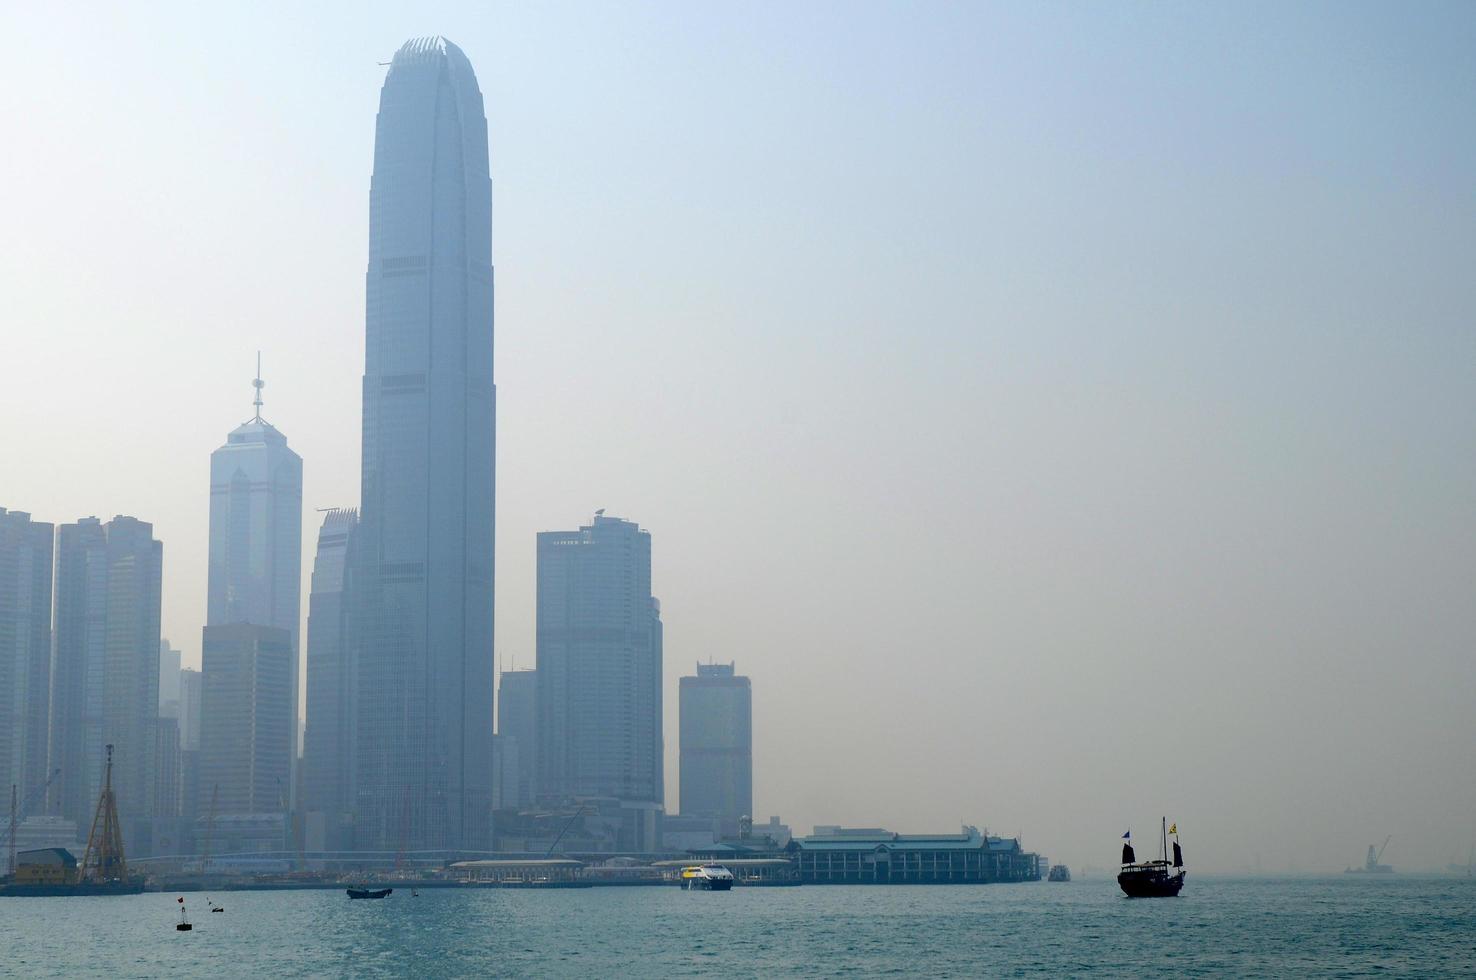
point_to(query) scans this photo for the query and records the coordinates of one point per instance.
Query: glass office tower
(423, 595)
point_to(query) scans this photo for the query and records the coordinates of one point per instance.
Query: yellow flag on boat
(1174, 828)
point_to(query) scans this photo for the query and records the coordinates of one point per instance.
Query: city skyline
(1088, 353)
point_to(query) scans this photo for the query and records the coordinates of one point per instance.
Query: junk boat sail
(1152, 879)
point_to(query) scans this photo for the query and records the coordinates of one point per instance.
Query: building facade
(25, 650)
(423, 593)
(716, 764)
(599, 672)
(517, 731)
(327, 776)
(255, 570)
(245, 746)
(105, 679)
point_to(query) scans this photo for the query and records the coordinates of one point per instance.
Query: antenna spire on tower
(258, 384)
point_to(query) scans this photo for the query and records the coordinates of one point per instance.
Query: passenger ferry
(706, 877)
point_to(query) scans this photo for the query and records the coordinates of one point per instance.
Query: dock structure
(879, 857)
(543, 872)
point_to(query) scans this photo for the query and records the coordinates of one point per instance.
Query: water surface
(1344, 926)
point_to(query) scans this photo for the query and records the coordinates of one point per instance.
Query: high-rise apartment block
(25, 650)
(599, 672)
(717, 745)
(105, 679)
(423, 592)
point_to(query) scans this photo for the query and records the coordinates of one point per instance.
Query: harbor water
(1343, 926)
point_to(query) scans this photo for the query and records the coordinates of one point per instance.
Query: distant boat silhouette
(1152, 879)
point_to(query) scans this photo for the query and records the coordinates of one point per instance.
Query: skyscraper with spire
(423, 620)
(255, 571)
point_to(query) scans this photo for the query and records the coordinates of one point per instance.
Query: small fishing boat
(183, 925)
(706, 877)
(1152, 879)
(369, 892)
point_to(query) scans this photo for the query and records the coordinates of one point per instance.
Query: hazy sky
(1066, 414)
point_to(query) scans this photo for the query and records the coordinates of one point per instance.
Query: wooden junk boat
(1152, 879)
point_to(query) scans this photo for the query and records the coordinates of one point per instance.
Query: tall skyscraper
(423, 605)
(327, 750)
(255, 572)
(25, 650)
(717, 745)
(245, 747)
(105, 682)
(599, 670)
(517, 727)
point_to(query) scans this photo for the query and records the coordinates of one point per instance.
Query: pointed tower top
(258, 384)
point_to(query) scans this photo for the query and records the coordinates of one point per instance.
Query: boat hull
(367, 893)
(59, 890)
(1151, 882)
(707, 884)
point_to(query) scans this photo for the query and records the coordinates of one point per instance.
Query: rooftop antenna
(258, 384)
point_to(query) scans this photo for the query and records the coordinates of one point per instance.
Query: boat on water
(1152, 879)
(370, 892)
(1058, 872)
(706, 877)
(1371, 865)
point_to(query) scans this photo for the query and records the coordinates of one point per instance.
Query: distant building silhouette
(517, 730)
(169, 670)
(423, 593)
(717, 745)
(105, 682)
(191, 694)
(328, 747)
(599, 672)
(255, 571)
(25, 651)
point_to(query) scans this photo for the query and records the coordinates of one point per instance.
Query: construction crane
(1380, 856)
(578, 812)
(104, 861)
(17, 809)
